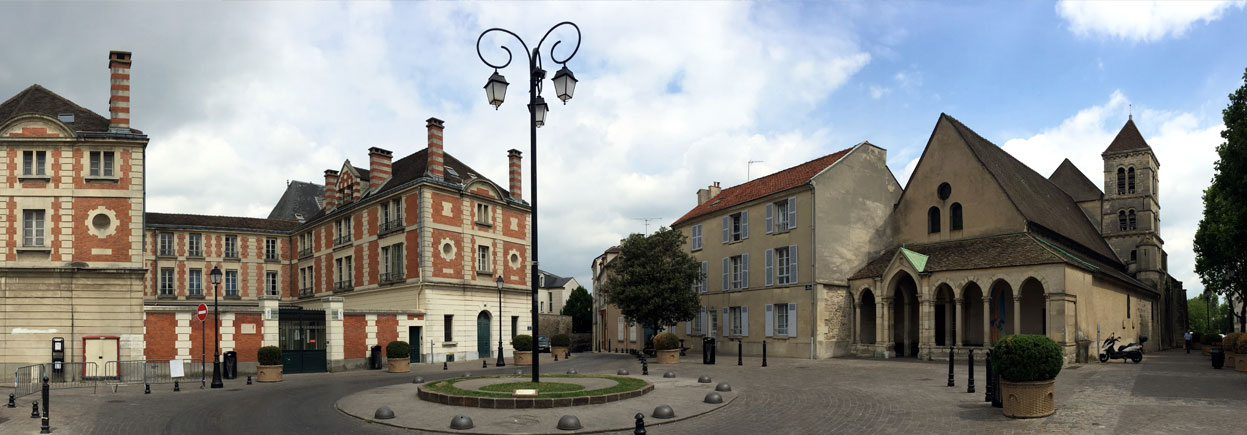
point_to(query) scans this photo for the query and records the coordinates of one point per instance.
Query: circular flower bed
(565, 390)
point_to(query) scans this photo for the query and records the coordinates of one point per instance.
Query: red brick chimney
(332, 195)
(119, 90)
(436, 165)
(379, 167)
(517, 184)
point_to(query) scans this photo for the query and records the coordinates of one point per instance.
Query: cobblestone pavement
(1170, 392)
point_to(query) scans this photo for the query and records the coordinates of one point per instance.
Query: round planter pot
(669, 356)
(559, 350)
(268, 373)
(523, 358)
(1028, 399)
(398, 365)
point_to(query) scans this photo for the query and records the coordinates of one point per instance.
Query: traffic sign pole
(202, 314)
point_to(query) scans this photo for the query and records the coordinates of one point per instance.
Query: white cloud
(1145, 21)
(1184, 145)
(878, 92)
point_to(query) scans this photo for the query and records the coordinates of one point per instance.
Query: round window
(101, 222)
(944, 191)
(448, 249)
(515, 258)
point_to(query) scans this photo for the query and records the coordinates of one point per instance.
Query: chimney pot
(119, 90)
(380, 167)
(436, 164)
(332, 198)
(515, 173)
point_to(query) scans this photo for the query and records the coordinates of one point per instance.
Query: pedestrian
(1187, 336)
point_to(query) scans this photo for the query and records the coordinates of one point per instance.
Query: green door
(302, 339)
(482, 335)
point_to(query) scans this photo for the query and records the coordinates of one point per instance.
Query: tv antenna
(647, 222)
(749, 166)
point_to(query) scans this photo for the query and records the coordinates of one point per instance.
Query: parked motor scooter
(1132, 351)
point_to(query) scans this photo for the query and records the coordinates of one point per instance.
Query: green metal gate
(302, 338)
(482, 335)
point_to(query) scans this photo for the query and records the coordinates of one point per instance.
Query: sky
(238, 98)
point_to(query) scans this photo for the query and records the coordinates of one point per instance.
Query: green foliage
(623, 384)
(522, 343)
(543, 387)
(580, 306)
(1241, 344)
(666, 341)
(653, 278)
(1221, 266)
(560, 340)
(398, 349)
(1231, 343)
(269, 356)
(1027, 358)
(1208, 338)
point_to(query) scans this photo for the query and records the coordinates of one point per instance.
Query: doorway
(301, 334)
(415, 333)
(482, 334)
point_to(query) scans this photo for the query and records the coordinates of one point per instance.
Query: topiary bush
(398, 349)
(1027, 358)
(1231, 341)
(666, 341)
(560, 340)
(269, 356)
(1241, 344)
(522, 343)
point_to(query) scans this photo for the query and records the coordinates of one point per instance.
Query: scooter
(1133, 351)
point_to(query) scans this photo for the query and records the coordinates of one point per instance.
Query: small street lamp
(564, 84)
(215, 276)
(501, 362)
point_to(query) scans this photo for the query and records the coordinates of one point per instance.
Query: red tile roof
(770, 184)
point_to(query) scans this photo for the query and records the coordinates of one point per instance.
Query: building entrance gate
(302, 338)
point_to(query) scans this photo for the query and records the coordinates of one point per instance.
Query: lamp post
(501, 362)
(564, 87)
(215, 276)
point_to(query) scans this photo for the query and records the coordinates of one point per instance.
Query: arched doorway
(1034, 315)
(972, 315)
(866, 321)
(1001, 322)
(482, 334)
(904, 315)
(945, 314)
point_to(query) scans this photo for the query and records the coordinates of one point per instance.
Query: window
(391, 215)
(345, 269)
(699, 285)
(343, 227)
(231, 283)
(482, 259)
(1121, 181)
(448, 328)
(739, 321)
(166, 244)
(1130, 180)
(32, 228)
(736, 272)
(392, 263)
(933, 220)
(515, 326)
(34, 163)
(101, 164)
(954, 217)
(195, 282)
(195, 245)
(736, 227)
(1127, 306)
(166, 281)
(781, 216)
(542, 308)
(714, 323)
(482, 214)
(1121, 219)
(1134, 255)
(695, 240)
(781, 263)
(1130, 219)
(231, 246)
(944, 191)
(781, 320)
(270, 249)
(270, 283)
(305, 244)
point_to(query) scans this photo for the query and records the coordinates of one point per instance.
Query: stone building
(553, 291)
(612, 332)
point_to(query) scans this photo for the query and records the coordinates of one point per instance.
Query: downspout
(290, 267)
(813, 273)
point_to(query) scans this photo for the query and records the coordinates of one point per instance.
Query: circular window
(944, 191)
(448, 249)
(101, 222)
(515, 258)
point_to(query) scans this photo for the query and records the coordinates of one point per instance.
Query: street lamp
(501, 362)
(495, 90)
(215, 276)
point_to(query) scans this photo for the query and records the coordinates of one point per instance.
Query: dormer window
(67, 118)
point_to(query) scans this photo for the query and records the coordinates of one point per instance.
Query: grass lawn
(544, 389)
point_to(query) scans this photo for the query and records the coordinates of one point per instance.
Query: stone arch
(1034, 311)
(866, 321)
(903, 289)
(972, 314)
(484, 321)
(1001, 317)
(945, 315)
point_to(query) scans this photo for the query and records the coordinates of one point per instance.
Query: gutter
(813, 273)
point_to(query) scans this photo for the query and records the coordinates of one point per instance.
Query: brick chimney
(119, 90)
(436, 165)
(707, 194)
(332, 195)
(379, 167)
(515, 173)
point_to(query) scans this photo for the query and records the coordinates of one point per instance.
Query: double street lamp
(215, 276)
(496, 90)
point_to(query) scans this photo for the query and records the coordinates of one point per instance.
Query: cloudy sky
(239, 98)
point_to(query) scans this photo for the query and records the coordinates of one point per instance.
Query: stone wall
(550, 324)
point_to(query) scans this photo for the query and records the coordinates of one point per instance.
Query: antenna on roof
(749, 166)
(647, 222)
(1130, 113)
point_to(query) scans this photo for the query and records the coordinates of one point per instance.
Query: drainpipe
(813, 275)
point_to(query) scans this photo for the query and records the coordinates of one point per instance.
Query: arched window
(1121, 181)
(1130, 180)
(954, 217)
(933, 220)
(1121, 219)
(1130, 216)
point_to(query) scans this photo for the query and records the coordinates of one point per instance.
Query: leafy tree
(653, 279)
(1218, 257)
(1197, 309)
(580, 306)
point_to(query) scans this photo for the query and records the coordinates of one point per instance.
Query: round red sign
(202, 312)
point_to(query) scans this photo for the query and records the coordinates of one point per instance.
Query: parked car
(543, 344)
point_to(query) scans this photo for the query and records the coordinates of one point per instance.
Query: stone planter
(1207, 349)
(398, 365)
(1028, 399)
(1240, 362)
(1229, 360)
(521, 358)
(671, 356)
(561, 351)
(268, 373)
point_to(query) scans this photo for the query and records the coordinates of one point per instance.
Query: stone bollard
(44, 427)
(970, 389)
(950, 366)
(740, 347)
(763, 353)
(988, 362)
(640, 424)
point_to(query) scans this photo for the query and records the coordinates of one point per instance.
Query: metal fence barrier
(119, 373)
(29, 379)
(158, 371)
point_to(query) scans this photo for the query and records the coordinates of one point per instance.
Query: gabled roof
(300, 198)
(178, 220)
(770, 184)
(551, 280)
(39, 100)
(1128, 139)
(1038, 200)
(1074, 183)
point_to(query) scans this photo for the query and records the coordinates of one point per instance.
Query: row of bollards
(992, 392)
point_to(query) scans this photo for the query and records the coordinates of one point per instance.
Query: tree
(1218, 256)
(653, 280)
(1201, 320)
(580, 306)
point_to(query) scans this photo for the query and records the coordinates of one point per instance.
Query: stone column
(987, 322)
(1017, 314)
(335, 349)
(887, 340)
(949, 325)
(269, 320)
(961, 326)
(857, 323)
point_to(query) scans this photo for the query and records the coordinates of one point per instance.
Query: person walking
(1187, 336)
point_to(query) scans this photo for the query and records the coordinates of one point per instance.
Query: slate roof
(301, 198)
(39, 100)
(770, 184)
(1128, 139)
(552, 280)
(1040, 201)
(1074, 183)
(177, 220)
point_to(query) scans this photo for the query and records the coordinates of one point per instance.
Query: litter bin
(374, 358)
(708, 350)
(1218, 357)
(231, 365)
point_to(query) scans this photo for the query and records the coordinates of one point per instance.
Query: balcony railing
(392, 277)
(306, 292)
(231, 255)
(342, 240)
(305, 252)
(343, 286)
(390, 226)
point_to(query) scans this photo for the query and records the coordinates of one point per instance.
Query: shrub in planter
(523, 345)
(398, 356)
(559, 344)
(1207, 338)
(1240, 361)
(269, 358)
(668, 348)
(1028, 366)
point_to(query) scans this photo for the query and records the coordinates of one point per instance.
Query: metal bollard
(763, 353)
(483, 364)
(970, 389)
(645, 367)
(739, 350)
(147, 388)
(988, 397)
(556, 355)
(444, 367)
(950, 366)
(248, 379)
(176, 387)
(640, 424)
(12, 403)
(44, 427)
(34, 409)
(997, 396)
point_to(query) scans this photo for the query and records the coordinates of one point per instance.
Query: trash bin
(374, 358)
(707, 350)
(1218, 357)
(231, 365)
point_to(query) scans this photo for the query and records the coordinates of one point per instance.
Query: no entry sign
(202, 312)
